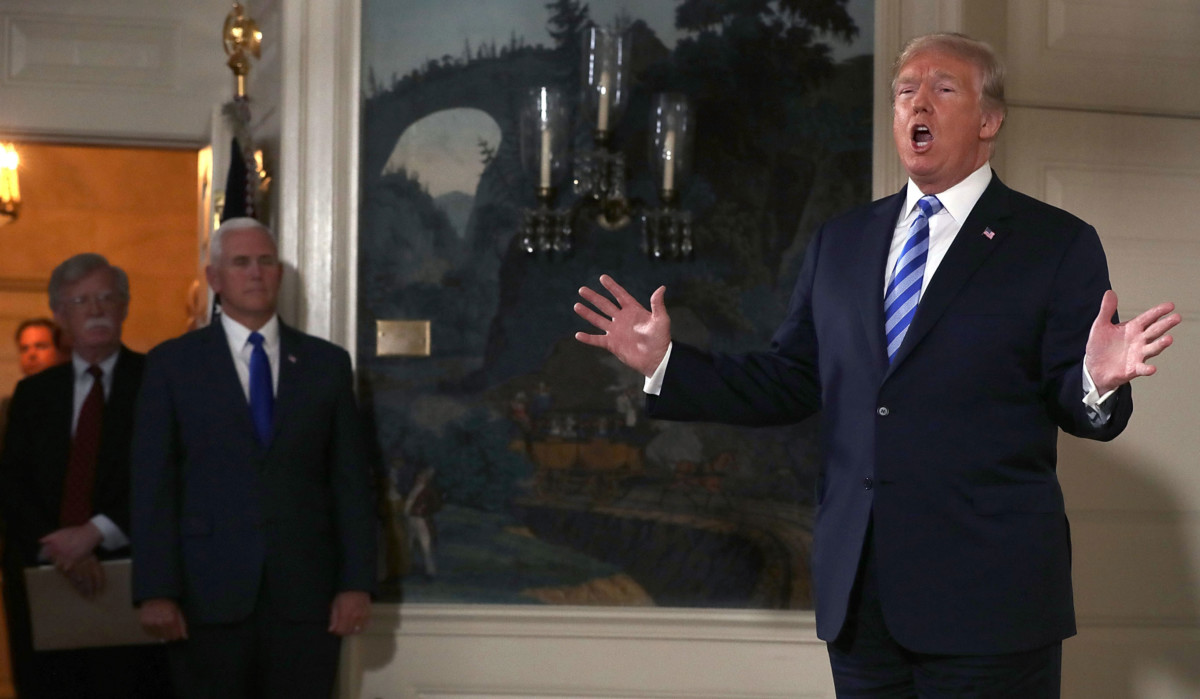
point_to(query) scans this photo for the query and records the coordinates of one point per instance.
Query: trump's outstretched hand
(1117, 352)
(637, 337)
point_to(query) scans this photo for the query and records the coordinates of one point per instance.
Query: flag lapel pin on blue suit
(989, 233)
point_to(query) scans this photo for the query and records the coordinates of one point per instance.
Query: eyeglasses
(105, 299)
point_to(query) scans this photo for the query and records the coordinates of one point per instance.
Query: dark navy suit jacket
(215, 514)
(951, 448)
(33, 466)
(33, 470)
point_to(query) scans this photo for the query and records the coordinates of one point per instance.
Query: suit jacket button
(868, 483)
(883, 411)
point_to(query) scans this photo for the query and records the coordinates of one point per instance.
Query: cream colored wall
(1106, 123)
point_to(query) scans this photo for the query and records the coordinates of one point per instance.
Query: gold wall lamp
(10, 191)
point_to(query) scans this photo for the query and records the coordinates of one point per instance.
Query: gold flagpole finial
(242, 39)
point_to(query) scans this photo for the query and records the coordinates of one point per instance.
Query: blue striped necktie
(262, 392)
(904, 290)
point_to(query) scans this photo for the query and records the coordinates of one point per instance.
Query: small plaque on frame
(402, 338)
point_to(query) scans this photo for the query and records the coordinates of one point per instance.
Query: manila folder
(63, 619)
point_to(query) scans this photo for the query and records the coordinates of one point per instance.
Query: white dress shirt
(957, 203)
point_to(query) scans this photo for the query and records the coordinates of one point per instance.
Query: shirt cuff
(654, 381)
(1099, 410)
(113, 537)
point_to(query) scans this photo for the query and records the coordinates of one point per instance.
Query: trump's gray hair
(980, 53)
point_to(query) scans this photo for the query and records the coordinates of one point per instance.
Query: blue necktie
(904, 290)
(262, 396)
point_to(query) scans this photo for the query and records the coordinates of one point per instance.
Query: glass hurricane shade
(605, 76)
(545, 133)
(671, 134)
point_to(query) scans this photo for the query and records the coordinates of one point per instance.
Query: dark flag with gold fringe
(241, 39)
(242, 180)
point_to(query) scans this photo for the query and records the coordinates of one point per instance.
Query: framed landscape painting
(518, 465)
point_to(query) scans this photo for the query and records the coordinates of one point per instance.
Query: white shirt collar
(239, 334)
(106, 365)
(959, 199)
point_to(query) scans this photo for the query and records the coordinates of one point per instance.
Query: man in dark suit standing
(252, 511)
(941, 555)
(64, 484)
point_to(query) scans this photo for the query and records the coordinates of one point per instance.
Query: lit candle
(8, 173)
(604, 88)
(544, 173)
(669, 162)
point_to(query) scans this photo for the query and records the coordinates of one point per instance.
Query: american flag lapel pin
(989, 233)
(292, 357)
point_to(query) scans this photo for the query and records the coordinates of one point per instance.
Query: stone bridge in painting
(494, 86)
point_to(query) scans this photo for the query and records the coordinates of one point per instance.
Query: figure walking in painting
(941, 555)
(394, 551)
(423, 501)
(626, 409)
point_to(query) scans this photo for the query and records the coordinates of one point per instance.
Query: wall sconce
(10, 190)
(544, 132)
(598, 181)
(667, 231)
(600, 172)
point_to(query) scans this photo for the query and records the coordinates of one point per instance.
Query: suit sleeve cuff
(1098, 408)
(654, 381)
(113, 537)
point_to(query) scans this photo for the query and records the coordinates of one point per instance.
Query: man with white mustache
(65, 484)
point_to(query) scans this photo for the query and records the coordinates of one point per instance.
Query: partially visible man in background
(64, 484)
(39, 345)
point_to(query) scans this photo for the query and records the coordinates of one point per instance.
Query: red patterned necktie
(81, 466)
